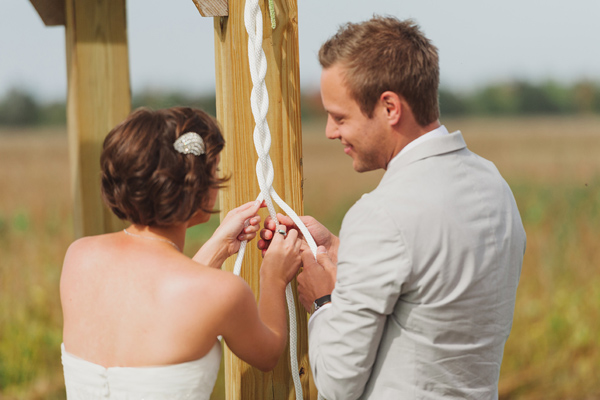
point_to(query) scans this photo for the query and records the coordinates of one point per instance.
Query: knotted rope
(259, 100)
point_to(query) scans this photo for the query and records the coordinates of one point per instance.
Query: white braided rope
(259, 100)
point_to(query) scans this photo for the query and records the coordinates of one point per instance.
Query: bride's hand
(282, 259)
(241, 223)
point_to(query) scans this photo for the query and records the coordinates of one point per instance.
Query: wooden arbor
(99, 96)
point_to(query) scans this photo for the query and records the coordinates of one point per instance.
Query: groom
(415, 298)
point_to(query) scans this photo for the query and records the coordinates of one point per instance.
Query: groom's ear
(391, 104)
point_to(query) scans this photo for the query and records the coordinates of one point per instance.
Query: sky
(171, 45)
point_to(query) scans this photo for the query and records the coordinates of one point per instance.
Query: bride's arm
(229, 235)
(258, 335)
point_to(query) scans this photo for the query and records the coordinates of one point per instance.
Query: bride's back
(130, 302)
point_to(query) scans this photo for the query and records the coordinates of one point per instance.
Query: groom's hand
(321, 235)
(317, 278)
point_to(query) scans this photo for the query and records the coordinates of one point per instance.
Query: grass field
(552, 164)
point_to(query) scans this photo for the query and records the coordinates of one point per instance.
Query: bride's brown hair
(145, 180)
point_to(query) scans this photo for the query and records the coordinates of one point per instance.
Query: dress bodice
(190, 380)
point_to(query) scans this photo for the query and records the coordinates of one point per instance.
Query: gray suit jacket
(428, 268)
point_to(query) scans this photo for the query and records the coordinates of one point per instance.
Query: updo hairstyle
(145, 180)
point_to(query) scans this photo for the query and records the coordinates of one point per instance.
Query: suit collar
(430, 148)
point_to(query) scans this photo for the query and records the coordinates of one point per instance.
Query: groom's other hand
(317, 278)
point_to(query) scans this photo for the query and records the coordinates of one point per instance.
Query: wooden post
(98, 98)
(239, 157)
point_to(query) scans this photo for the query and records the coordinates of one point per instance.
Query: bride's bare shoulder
(81, 247)
(85, 247)
(203, 286)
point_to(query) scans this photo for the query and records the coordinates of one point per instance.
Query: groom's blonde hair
(384, 54)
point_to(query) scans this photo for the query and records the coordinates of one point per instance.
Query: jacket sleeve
(373, 263)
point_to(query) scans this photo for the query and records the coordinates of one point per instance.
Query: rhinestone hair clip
(190, 143)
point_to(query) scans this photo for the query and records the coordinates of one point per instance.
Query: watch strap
(321, 301)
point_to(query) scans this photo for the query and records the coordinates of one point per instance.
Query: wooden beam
(52, 12)
(98, 98)
(212, 8)
(234, 85)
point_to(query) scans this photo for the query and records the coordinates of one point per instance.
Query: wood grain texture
(98, 98)
(212, 8)
(239, 157)
(52, 12)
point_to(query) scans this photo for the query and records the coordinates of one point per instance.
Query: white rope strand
(259, 100)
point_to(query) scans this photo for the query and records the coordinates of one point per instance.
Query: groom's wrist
(321, 301)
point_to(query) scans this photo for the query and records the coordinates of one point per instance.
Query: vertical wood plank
(234, 86)
(98, 98)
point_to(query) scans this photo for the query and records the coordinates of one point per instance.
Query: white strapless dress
(192, 380)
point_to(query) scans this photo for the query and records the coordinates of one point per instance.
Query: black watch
(321, 301)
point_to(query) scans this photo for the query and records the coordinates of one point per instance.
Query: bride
(141, 319)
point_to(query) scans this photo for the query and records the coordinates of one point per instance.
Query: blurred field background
(551, 163)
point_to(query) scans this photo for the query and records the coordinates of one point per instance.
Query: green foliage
(157, 100)
(523, 98)
(553, 347)
(311, 106)
(197, 235)
(452, 103)
(21, 108)
(495, 100)
(54, 113)
(21, 221)
(30, 317)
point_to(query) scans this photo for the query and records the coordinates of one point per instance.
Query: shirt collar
(437, 132)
